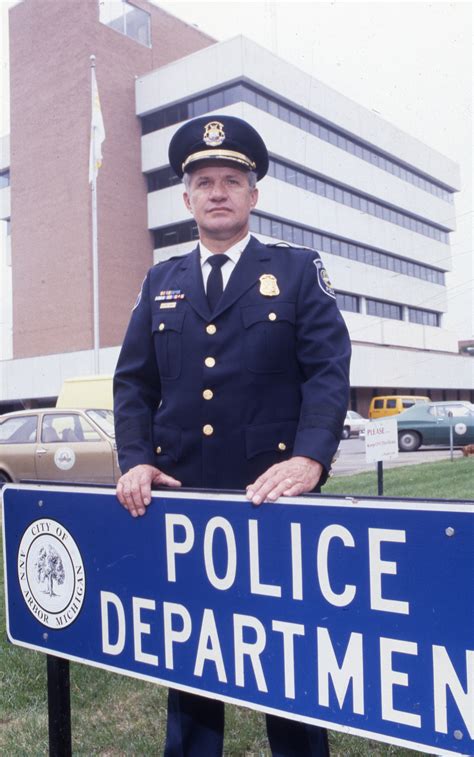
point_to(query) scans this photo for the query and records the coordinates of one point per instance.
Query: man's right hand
(134, 487)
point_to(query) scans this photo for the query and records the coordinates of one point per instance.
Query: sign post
(451, 436)
(59, 707)
(357, 615)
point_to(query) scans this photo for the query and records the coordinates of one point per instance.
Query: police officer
(233, 374)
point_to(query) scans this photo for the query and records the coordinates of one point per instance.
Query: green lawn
(114, 715)
(444, 480)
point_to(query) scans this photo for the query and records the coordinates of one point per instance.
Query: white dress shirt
(233, 253)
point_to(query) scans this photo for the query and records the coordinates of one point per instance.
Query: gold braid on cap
(214, 154)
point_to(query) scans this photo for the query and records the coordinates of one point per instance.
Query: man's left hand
(288, 479)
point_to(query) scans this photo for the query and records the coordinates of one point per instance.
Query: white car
(354, 424)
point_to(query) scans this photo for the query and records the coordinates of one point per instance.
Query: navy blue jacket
(274, 369)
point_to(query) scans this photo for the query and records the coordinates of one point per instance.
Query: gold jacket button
(207, 430)
(282, 446)
(161, 327)
(272, 316)
(158, 450)
(209, 362)
(208, 394)
(211, 329)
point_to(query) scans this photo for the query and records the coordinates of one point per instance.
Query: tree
(49, 568)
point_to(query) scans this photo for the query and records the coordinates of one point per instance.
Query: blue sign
(353, 614)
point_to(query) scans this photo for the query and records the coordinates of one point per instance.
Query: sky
(410, 62)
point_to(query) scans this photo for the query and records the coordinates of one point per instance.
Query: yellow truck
(393, 404)
(86, 392)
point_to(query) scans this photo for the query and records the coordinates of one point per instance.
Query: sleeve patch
(323, 279)
(138, 300)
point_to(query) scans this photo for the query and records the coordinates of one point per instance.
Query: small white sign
(381, 440)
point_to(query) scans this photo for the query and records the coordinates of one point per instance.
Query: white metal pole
(95, 246)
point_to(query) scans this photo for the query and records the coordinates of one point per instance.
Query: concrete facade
(46, 316)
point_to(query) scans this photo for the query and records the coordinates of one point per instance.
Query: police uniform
(215, 398)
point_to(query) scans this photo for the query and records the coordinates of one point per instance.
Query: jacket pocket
(167, 334)
(269, 336)
(276, 437)
(167, 441)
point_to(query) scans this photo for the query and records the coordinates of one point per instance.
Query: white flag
(97, 132)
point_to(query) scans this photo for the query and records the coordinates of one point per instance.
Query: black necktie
(215, 285)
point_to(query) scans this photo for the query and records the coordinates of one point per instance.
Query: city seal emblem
(64, 458)
(214, 134)
(51, 574)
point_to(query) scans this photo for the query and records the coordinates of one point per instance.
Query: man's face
(220, 199)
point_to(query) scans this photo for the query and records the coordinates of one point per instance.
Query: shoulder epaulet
(175, 257)
(293, 247)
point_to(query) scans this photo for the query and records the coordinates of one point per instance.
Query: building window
(302, 236)
(384, 309)
(348, 302)
(126, 19)
(312, 183)
(351, 303)
(4, 179)
(244, 92)
(167, 236)
(424, 317)
(164, 177)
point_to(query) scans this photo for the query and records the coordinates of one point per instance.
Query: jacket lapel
(192, 284)
(247, 271)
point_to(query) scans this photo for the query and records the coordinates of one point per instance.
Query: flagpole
(95, 245)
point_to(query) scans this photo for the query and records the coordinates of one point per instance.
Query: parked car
(58, 445)
(392, 404)
(429, 424)
(353, 424)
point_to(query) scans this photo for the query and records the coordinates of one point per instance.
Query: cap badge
(269, 285)
(214, 134)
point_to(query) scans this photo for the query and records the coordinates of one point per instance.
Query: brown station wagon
(77, 446)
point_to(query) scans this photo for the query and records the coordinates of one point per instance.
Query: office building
(377, 203)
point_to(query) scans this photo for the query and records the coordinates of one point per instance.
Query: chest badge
(269, 285)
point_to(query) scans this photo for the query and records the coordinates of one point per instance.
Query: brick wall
(51, 43)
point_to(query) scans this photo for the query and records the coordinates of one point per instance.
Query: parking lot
(352, 457)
